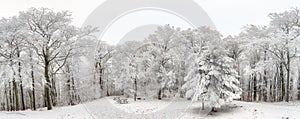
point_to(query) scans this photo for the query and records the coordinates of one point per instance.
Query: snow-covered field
(165, 109)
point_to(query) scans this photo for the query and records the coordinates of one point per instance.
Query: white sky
(229, 16)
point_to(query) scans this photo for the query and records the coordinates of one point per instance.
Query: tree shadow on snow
(229, 108)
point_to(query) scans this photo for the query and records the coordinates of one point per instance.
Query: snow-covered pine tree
(213, 78)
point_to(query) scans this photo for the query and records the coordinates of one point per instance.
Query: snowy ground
(152, 109)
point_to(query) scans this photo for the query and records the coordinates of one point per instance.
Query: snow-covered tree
(162, 44)
(128, 58)
(12, 44)
(53, 38)
(213, 77)
(102, 60)
(286, 32)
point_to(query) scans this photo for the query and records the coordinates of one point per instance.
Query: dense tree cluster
(45, 61)
(36, 47)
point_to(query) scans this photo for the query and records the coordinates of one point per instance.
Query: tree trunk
(249, 97)
(101, 80)
(53, 92)
(102, 92)
(298, 84)
(291, 89)
(260, 88)
(22, 95)
(70, 85)
(135, 89)
(10, 97)
(69, 91)
(6, 97)
(160, 91)
(33, 88)
(265, 92)
(288, 77)
(275, 90)
(202, 104)
(254, 88)
(21, 83)
(16, 94)
(299, 89)
(74, 90)
(275, 87)
(270, 93)
(282, 81)
(48, 85)
(73, 94)
(213, 109)
(107, 87)
(13, 98)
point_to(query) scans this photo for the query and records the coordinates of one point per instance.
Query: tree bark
(99, 66)
(22, 95)
(16, 94)
(21, 84)
(69, 91)
(74, 94)
(288, 76)
(10, 97)
(135, 89)
(298, 84)
(48, 85)
(6, 97)
(254, 88)
(53, 92)
(70, 85)
(249, 97)
(33, 88)
(202, 104)
(282, 81)
(159, 94)
(265, 92)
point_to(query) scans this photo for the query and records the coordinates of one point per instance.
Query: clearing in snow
(106, 108)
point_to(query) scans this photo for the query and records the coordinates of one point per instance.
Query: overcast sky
(229, 16)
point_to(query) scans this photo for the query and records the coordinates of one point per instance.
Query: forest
(45, 61)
